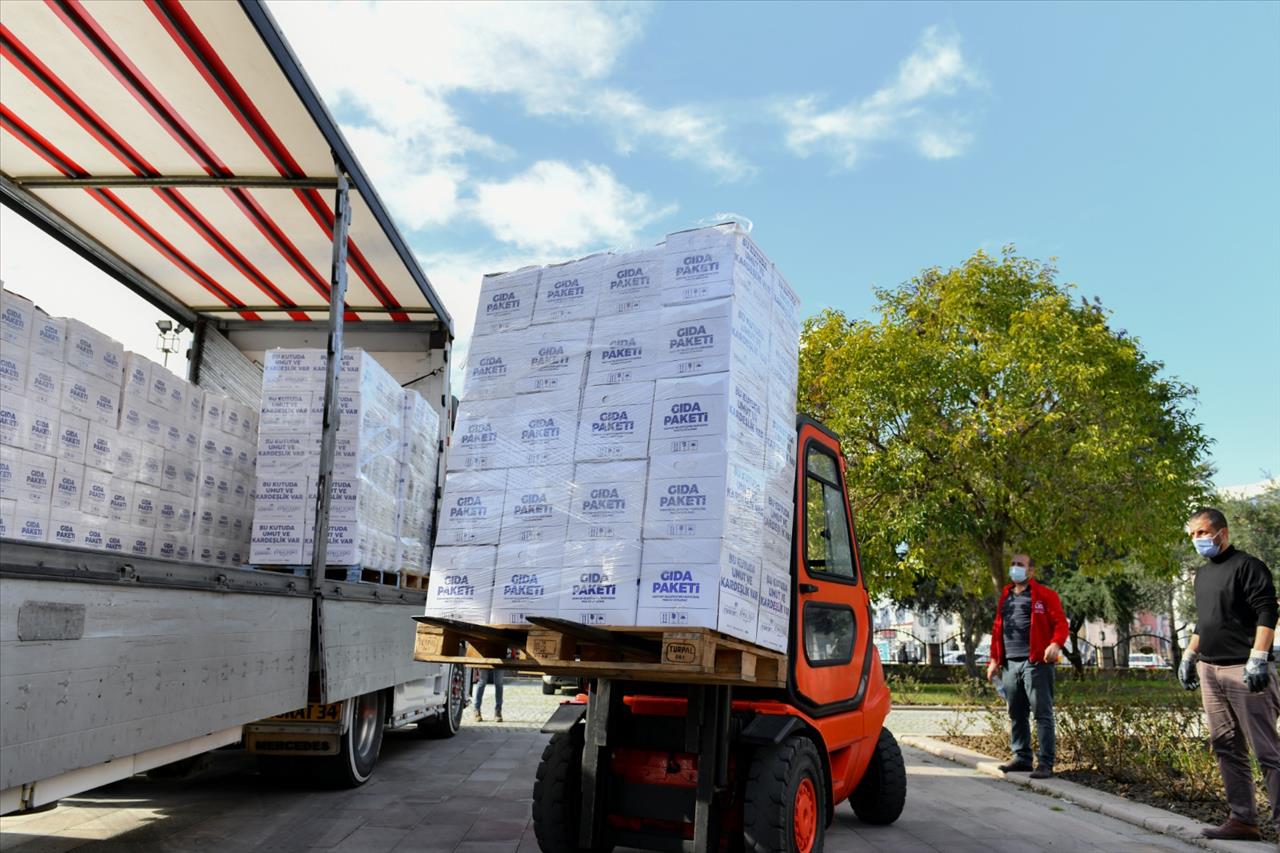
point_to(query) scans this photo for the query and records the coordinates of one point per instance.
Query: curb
(1137, 814)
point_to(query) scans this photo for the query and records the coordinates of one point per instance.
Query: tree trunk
(1073, 654)
(967, 639)
(995, 563)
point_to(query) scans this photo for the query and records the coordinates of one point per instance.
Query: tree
(976, 608)
(1255, 523)
(1084, 599)
(987, 407)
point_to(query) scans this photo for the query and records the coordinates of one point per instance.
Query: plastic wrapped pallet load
(633, 464)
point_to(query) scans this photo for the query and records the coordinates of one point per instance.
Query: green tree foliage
(1255, 524)
(987, 407)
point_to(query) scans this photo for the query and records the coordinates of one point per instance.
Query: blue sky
(1137, 143)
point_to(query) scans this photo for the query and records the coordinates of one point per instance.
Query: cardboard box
(543, 429)
(704, 496)
(68, 484)
(471, 508)
(119, 498)
(536, 505)
(128, 458)
(35, 480)
(700, 582)
(141, 542)
(632, 282)
(551, 357)
(48, 337)
(214, 406)
(294, 370)
(151, 465)
(275, 543)
(136, 382)
(507, 301)
(527, 582)
(461, 583)
(17, 316)
(79, 395)
(13, 371)
(569, 291)
(44, 380)
(65, 527)
(717, 413)
(624, 349)
(8, 518)
(98, 494)
(713, 337)
(480, 439)
(146, 506)
(31, 522)
(615, 423)
(13, 420)
(774, 626)
(174, 513)
(607, 500)
(490, 369)
(11, 473)
(117, 539)
(708, 263)
(601, 582)
(286, 410)
(94, 532)
(42, 425)
(84, 347)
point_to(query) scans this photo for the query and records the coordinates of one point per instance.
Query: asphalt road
(471, 794)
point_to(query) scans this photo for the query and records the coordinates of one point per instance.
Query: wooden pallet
(560, 647)
(412, 580)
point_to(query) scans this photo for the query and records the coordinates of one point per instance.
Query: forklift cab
(701, 767)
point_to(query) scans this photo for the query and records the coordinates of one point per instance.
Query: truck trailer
(181, 149)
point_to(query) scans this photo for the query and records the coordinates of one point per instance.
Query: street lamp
(167, 342)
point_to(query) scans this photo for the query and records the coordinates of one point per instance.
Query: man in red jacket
(1026, 641)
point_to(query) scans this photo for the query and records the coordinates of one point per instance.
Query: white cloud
(935, 69)
(554, 206)
(684, 132)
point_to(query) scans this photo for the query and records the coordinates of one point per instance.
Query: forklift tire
(785, 803)
(880, 796)
(557, 795)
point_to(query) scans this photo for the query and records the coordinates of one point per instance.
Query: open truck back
(181, 149)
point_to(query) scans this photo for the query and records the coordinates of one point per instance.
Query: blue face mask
(1018, 574)
(1207, 546)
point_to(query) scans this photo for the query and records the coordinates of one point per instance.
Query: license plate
(330, 713)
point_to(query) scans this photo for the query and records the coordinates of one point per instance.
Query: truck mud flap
(565, 718)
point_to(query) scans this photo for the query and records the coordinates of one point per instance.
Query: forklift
(698, 766)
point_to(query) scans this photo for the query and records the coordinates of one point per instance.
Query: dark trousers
(1239, 720)
(1029, 690)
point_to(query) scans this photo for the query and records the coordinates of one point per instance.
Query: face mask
(1018, 574)
(1206, 546)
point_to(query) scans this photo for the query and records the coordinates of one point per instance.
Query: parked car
(552, 684)
(958, 658)
(1139, 660)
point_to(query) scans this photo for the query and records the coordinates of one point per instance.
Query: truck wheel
(360, 745)
(882, 793)
(557, 795)
(785, 803)
(447, 723)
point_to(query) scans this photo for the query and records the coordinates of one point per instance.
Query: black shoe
(1042, 772)
(1015, 766)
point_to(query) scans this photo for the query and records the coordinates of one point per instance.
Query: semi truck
(181, 149)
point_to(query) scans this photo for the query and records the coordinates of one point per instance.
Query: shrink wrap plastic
(624, 447)
(132, 463)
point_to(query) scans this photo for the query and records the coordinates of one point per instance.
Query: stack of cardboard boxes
(624, 449)
(104, 449)
(365, 495)
(419, 464)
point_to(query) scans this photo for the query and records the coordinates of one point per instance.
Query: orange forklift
(658, 765)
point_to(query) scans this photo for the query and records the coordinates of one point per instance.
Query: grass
(1068, 688)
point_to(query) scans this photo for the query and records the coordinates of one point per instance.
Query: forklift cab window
(827, 548)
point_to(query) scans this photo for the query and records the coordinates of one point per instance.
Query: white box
(68, 485)
(94, 532)
(536, 505)
(607, 500)
(276, 543)
(110, 360)
(632, 281)
(717, 413)
(119, 498)
(543, 429)
(160, 384)
(527, 582)
(506, 301)
(66, 527)
(286, 410)
(128, 459)
(700, 582)
(31, 522)
(154, 425)
(13, 371)
(214, 407)
(194, 418)
(8, 518)
(713, 337)
(136, 381)
(13, 420)
(10, 473)
(704, 496)
(42, 427)
(471, 508)
(295, 369)
(78, 392)
(773, 630)
(707, 263)
(44, 380)
(17, 316)
(480, 439)
(624, 349)
(146, 506)
(569, 291)
(117, 539)
(173, 513)
(601, 582)
(35, 478)
(84, 346)
(490, 371)
(551, 357)
(48, 337)
(615, 423)
(283, 498)
(104, 402)
(151, 465)
(97, 494)
(141, 541)
(461, 582)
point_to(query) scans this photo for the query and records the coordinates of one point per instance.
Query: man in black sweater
(1229, 658)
